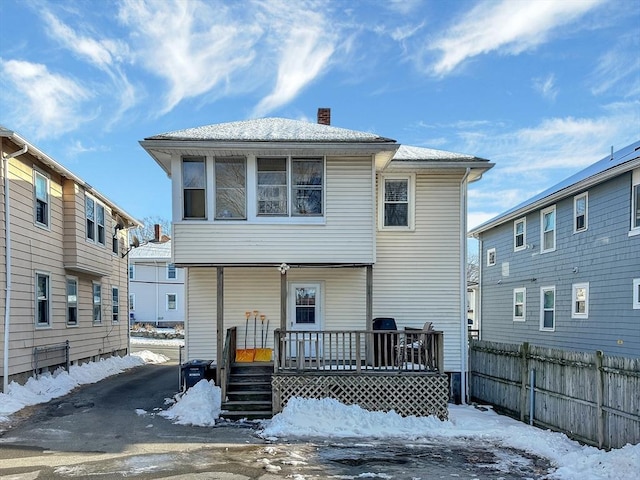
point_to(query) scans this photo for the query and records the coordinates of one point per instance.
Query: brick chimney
(157, 232)
(324, 116)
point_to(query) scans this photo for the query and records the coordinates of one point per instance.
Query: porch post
(220, 321)
(369, 313)
(283, 300)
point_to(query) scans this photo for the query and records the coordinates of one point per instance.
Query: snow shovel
(246, 354)
(263, 354)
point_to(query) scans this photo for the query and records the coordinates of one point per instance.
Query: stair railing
(229, 354)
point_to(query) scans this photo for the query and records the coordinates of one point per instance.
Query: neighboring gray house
(156, 285)
(562, 270)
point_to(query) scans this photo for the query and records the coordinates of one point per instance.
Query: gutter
(7, 231)
(464, 340)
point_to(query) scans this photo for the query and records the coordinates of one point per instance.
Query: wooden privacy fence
(589, 396)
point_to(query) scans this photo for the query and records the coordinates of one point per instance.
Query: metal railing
(51, 355)
(357, 351)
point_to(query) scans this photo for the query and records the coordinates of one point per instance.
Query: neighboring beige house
(63, 275)
(317, 228)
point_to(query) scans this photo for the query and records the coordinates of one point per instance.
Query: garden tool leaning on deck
(263, 354)
(246, 354)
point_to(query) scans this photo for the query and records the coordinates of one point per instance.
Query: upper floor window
(636, 293)
(94, 213)
(115, 304)
(272, 186)
(172, 302)
(548, 308)
(97, 303)
(548, 229)
(491, 257)
(307, 185)
(171, 271)
(132, 272)
(635, 201)
(580, 294)
(580, 205)
(41, 190)
(231, 188)
(72, 301)
(194, 182)
(397, 202)
(519, 234)
(43, 300)
(519, 304)
(115, 244)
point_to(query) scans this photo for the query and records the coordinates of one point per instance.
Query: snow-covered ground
(326, 418)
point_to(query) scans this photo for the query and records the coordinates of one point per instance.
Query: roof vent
(324, 116)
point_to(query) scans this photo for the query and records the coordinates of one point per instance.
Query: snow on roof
(152, 250)
(408, 153)
(272, 130)
(554, 193)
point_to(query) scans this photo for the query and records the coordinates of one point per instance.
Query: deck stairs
(248, 391)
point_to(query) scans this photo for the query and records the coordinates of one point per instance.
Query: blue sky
(541, 88)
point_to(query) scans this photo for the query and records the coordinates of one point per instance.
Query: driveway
(109, 430)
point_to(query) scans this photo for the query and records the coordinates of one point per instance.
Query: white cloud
(546, 86)
(507, 27)
(619, 68)
(45, 103)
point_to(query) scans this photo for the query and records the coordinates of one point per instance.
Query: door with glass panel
(305, 316)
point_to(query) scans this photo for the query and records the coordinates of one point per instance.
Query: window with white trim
(580, 300)
(548, 229)
(272, 186)
(580, 212)
(307, 185)
(132, 302)
(171, 271)
(635, 201)
(115, 304)
(636, 293)
(396, 202)
(519, 304)
(100, 224)
(491, 257)
(194, 181)
(172, 301)
(97, 303)
(41, 189)
(231, 188)
(90, 214)
(72, 301)
(519, 234)
(132, 272)
(548, 308)
(43, 300)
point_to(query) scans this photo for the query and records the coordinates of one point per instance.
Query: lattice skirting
(406, 394)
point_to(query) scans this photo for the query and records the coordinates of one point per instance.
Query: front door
(305, 315)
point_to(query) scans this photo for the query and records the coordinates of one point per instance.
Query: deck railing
(228, 357)
(356, 351)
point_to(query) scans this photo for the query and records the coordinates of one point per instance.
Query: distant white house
(156, 286)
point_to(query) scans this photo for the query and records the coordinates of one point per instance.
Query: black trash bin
(384, 344)
(193, 371)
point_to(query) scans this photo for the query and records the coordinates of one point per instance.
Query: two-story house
(316, 228)
(562, 270)
(156, 285)
(63, 281)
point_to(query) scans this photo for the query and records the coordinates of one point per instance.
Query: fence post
(599, 398)
(524, 370)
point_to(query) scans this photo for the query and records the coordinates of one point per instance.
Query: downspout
(7, 231)
(464, 340)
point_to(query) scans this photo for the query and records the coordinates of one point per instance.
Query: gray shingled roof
(408, 153)
(272, 130)
(568, 185)
(151, 250)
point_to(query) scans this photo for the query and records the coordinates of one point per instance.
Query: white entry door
(305, 315)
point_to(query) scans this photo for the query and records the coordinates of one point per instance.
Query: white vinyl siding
(580, 300)
(520, 234)
(519, 304)
(580, 212)
(548, 308)
(347, 236)
(548, 229)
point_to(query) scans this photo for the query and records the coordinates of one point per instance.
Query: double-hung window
(636, 293)
(580, 206)
(172, 301)
(491, 257)
(97, 303)
(132, 272)
(272, 186)
(231, 188)
(115, 304)
(90, 213)
(580, 295)
(171, 271)
(548, 308)
(41, 192)
(307, 186)
(43, 300)
(72, 301)
(397, 202)
(132, 302)
(635, 202)
(100, 223)
(548, 229)
(519, 304)
(194, 182)
(519, 234)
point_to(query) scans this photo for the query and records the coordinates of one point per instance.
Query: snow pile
(53, 385)
(199, 405)
(151, 357)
